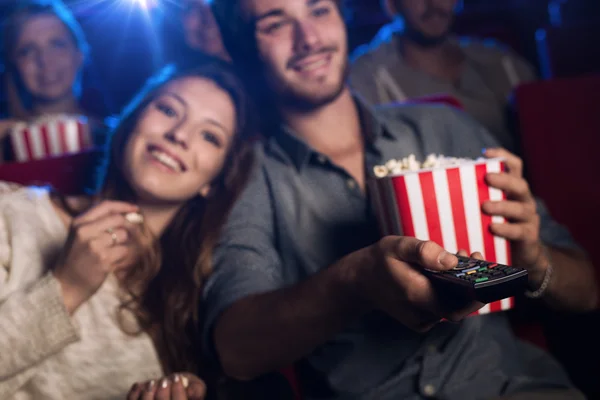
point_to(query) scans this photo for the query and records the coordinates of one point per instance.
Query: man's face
(430, 19)
(303, 47)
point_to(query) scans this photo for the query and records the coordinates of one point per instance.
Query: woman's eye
(60, 43)
(24, 51)
(321, 11)
(211, 138)
(165, 109)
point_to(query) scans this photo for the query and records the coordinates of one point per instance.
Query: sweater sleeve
(35, 322)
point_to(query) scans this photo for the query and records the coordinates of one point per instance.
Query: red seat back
(69, 174)
(437, 99)
(560, 129)
(569, 51)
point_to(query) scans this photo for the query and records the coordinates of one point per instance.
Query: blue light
(146, 4)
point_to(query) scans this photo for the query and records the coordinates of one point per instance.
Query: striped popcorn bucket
(444, 205)
(50, 138)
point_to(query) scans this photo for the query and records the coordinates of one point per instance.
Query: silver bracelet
(547, 276)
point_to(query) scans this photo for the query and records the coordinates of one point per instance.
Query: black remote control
(480, 280)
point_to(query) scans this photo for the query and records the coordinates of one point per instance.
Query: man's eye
(271, 28)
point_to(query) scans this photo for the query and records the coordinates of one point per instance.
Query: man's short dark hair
(238, 32)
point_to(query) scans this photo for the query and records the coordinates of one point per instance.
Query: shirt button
(429, 390)
(431, 349)
(351, 184)
(321, 159)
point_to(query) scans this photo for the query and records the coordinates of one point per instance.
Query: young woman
(44, 52)
(92, 300)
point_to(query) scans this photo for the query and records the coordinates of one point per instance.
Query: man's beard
(421, 38)
(424, 40)
(300, 100)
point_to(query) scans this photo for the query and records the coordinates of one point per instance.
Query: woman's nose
(178, 136)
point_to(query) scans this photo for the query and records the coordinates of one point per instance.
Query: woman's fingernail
(483, 151)
(150, 385)
(176, 378)
(165, 383)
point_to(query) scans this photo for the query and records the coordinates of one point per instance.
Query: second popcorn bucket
(442, 203)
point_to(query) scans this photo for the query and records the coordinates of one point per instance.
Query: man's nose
(306, 36)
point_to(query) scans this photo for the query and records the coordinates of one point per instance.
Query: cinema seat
(69, 174)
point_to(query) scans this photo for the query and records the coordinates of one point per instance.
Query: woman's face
(180, 142)
(47, 58)
(201, 30)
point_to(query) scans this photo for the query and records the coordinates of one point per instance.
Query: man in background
(416, 55)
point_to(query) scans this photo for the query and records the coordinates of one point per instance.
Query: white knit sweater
(44, 352)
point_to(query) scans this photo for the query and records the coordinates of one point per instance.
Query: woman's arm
(35, 325)
(5, 127)
(34, 320)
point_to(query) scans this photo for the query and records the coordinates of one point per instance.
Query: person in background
(92, 300)
(189, 33)
(44, 51)
(416, 55)
(201, 30)
(301, 274)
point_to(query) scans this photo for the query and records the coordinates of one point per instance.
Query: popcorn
(440, 199)
(134, 218)
(410, 164)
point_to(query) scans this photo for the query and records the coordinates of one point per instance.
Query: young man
(300, 272)
(416, 55)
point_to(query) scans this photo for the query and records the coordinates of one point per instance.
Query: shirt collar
(300, 153)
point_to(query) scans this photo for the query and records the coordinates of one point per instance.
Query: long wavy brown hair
(164, 288)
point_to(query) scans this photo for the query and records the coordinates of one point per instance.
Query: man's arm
(573, 285)
(255, 324)
(284, 325)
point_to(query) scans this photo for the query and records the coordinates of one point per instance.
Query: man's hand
(392, 282)
(174, 387)
(522, 227)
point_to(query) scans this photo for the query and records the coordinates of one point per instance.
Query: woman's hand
(6, 126)
(180, 386)
(100, 241)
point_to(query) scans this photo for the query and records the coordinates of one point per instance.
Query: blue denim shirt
(301, 213)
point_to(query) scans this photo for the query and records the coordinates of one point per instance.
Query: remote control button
(510, 270)
(471, 272)
(482, 269)
(482, 279)
(492, 266)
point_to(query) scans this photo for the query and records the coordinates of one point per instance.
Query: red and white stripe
(444, 205)
(43, 140)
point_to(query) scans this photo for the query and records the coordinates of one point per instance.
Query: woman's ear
(205, 190)
(80, 60)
